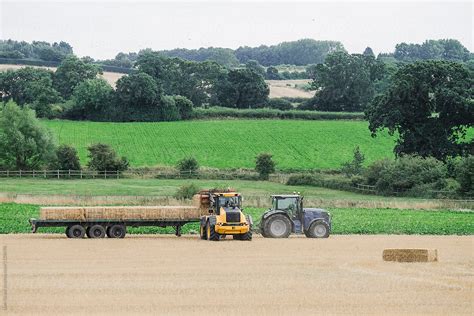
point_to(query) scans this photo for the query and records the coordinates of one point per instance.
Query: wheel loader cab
(231, 202)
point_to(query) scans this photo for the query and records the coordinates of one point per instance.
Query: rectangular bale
(410, 255)
(62, 213)
(142, 212)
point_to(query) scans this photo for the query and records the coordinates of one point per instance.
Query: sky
(101, 29)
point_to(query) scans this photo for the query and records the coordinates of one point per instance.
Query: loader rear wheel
(318, 229)
(211, 232)
(76, 231)
(117, 231)
(277, 226)
(96, 231)
(203, 232)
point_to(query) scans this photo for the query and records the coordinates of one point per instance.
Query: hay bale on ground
(62, 213)
(410, 255)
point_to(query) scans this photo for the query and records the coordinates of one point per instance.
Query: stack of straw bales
(410, 255)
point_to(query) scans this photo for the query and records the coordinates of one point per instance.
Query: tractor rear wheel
(277, 226)
(211, 232)
(318, 229)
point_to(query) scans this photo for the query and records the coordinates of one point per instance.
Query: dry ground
(50, 274)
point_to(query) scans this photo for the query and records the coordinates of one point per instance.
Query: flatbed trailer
(99, 228)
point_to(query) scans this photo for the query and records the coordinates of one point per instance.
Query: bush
(184, 106)
(186, 192)
(67, 158)
(188, 165)
(465, 175)
(355, 166)
(103, 157)
(279, 104)
(91, 98)
(168, 109)
(264, 165)
(407, 173)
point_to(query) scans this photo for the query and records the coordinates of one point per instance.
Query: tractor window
(287, 204)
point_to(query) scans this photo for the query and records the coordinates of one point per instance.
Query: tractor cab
(287, 215)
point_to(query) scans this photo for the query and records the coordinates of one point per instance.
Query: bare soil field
(287, 88)
(150, 274)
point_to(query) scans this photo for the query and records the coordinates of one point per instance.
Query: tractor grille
(232, 217)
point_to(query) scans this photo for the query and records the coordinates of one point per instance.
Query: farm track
(49, 274)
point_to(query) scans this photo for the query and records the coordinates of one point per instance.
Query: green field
(295, 144)
(14, 219)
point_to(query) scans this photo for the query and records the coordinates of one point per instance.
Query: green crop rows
(229, 143)
(14, 219)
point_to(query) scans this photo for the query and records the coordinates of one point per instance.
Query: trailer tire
(117, 231)
(211, 232)
(96, 231)
(76, 231)
(277, 226)
(318, 229)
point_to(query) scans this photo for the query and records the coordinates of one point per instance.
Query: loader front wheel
(211, 232)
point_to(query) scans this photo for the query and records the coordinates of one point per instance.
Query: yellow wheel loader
(225, 216)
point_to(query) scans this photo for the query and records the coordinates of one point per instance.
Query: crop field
(229, 143)
(289, 88)
(143, 274)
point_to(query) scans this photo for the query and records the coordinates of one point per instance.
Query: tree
(272, 73)
(102, 157)
(243, 88)
(255, 66)
(430, 105)
(465, 175)
(24, 143)
(138, 97)
(71, 72)
(264, 165)
(345, 82)
(91, 98)
(67, 158)
(168, 109)
(368, 52)
(188, 165)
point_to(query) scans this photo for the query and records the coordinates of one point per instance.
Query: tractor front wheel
(318, 229)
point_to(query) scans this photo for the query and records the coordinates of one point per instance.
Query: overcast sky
(101, 29)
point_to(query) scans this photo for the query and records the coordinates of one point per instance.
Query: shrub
(67, 158)
(91, 98)
(279, 104)
(188, 165)
(264, 165)
(184, 106)
(103, 157)
(465, 175)
(355, 166)
(186, 192)
(168, 109)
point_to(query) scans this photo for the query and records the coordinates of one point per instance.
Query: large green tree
(24, 143)
(430, 105)
(345, 82)
(243, 88)
(92, 99)
(71, 72)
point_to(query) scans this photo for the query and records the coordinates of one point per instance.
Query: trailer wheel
(117, 231)
(76, 231)
(277, 226)
(96, 231)
(211, 232)
(318, 229)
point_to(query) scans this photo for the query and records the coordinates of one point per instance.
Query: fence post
(81, 173)
(105, 174)
(69, 173)
(118, 174)
(8, 173)
(58, 173)
(20, 173)
(45, 174)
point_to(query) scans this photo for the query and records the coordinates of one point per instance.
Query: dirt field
(286, 88)
(50, 274)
